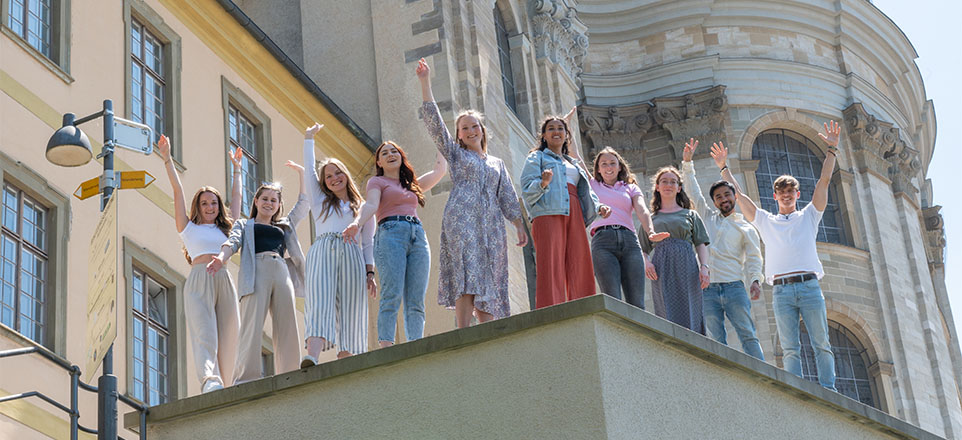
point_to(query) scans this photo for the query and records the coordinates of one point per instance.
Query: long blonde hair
(331, 201)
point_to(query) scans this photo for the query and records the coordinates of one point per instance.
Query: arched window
(851, 363)
(786, 152)
(504, 55)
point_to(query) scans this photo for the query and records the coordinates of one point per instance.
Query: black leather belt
(800, 278)
(400, 218)
(613, 227)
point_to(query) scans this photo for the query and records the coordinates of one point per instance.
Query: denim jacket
(553, 200)
(242, 238)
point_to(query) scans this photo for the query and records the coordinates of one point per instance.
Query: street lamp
(69, 147)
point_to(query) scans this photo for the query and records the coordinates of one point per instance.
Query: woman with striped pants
(338, 270)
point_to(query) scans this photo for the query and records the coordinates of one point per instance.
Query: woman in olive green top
(676, 278)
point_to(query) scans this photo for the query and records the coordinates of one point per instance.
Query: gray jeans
(619, 265)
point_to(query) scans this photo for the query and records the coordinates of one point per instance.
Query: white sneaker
(212, 385)
(308, 361)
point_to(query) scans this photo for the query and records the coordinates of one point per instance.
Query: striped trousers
(335, 305)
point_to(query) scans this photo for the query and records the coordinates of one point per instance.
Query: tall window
(150, 335)
(147, 83)
(786, 152)
(242, 135)
(851, 361)
(32, 20)
(504, 55)
(23, 253)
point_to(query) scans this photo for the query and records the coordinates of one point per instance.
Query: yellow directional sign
(128, 180)
(88, 189)
(135, 179)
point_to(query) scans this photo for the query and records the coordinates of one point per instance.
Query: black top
(268, 238)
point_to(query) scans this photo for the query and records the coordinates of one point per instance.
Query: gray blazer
(242, 236)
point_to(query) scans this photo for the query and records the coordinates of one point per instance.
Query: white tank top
(571, 173)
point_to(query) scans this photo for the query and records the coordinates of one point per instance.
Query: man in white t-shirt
(791, 260)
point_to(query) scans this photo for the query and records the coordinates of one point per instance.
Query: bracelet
(370, 272)
(833, 150)
(723, 169)
(705, 266)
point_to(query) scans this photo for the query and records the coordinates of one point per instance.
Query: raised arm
(302, 206)
(575, 149)
(431, 116)
(688, 178)
(720, 154)
(431, 178)
(180, 207)
(424, 76)
(831, 136)
(310, 167)
(236, 187)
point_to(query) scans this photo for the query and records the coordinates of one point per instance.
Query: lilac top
(619, 198)
(395, 200)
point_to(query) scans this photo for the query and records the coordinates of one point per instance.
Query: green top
(684, 224)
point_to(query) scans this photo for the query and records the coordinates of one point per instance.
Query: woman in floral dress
(474, 260)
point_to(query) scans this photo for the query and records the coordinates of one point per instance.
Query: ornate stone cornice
(878, 147)
(934, 234)
(701, 115)
(559, 35)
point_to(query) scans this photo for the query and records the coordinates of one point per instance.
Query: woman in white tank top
(210, 301)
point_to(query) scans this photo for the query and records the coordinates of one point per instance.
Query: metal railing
(75, 384)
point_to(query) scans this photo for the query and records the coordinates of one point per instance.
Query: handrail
(75, 384)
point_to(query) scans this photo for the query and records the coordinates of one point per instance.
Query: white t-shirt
(790, 241)
(202, 239)
(571, 173)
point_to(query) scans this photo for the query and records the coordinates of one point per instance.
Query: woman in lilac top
(615, 252)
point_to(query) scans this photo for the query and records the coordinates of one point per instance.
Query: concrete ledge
(634, 323)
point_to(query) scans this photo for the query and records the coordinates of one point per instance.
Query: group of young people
(564, 198)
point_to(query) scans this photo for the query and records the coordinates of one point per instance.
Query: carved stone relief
(702, 115)
(934, 235)
(559, 35)
(879, 147)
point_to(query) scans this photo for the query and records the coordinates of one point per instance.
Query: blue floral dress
(474, 258)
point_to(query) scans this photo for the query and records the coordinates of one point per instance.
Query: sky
(931, 25)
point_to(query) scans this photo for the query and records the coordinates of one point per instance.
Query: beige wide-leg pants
(274, 293)
(210, 309)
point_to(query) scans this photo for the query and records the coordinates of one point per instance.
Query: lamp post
(69, 147)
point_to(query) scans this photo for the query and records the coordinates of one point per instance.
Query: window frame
(142, 260)
(234, 97)
(57, 231)
(809, 372)
(503, 43)
(59, 60)
(151, 21)
(24, 245)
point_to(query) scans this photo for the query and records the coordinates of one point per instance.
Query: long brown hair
(331, 201)
(223, 221)
(681, 198)
(273, 186)
(484, 131)
(406, 176)
(544, 125)
(624, 171)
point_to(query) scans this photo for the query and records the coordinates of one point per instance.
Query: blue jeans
(804, 300)
(731, 299)
(619, 266)
(403, 261)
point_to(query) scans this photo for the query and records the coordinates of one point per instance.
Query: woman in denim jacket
(267, 280)
(560, 208)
